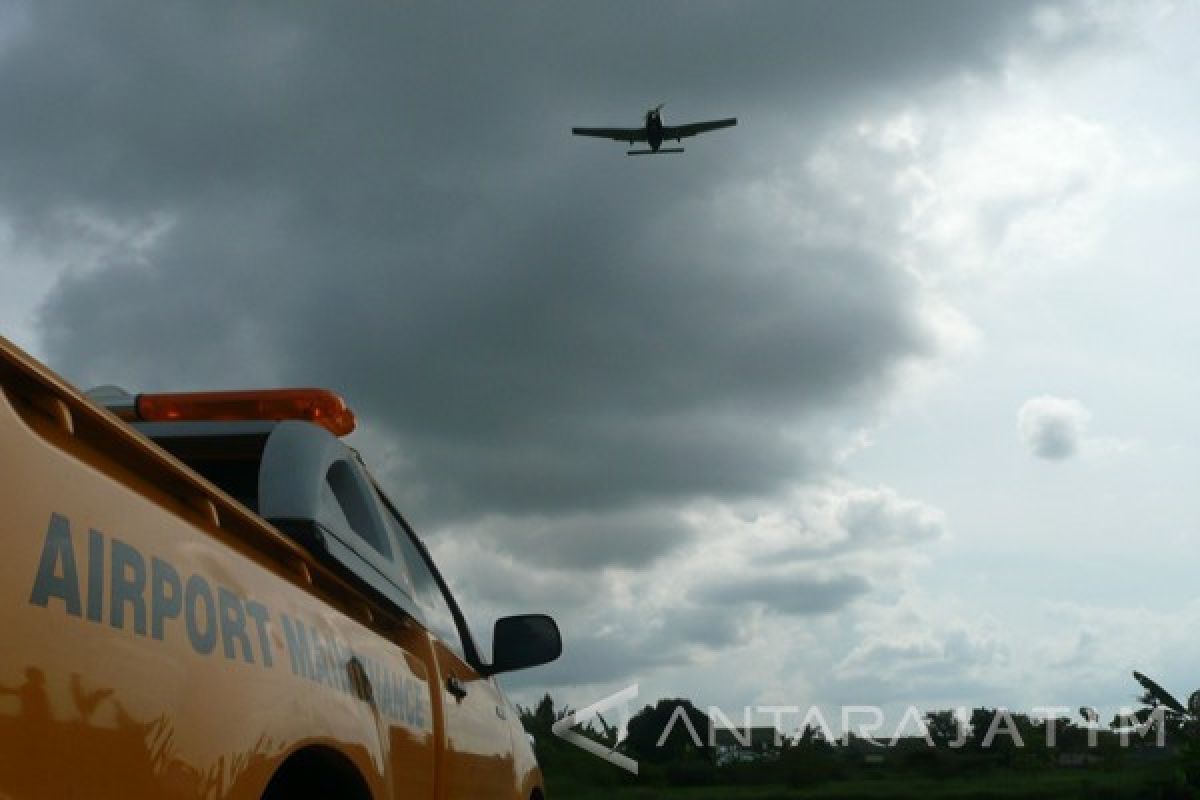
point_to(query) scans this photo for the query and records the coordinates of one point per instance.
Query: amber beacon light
(319, 406)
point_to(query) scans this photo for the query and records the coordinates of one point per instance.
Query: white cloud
(653, 588)
(974, 181)
(1052, 427)
(1017, 190)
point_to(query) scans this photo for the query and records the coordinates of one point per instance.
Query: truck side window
(426, 592)
(354, 502)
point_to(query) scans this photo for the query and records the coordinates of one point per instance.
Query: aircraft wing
(630, 135)
(692, 128)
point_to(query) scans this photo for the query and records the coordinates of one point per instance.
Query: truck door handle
(456, 687)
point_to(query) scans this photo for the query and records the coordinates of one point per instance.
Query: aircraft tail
(660, 151)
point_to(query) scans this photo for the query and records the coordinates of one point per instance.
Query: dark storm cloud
(620, 383)
(386, 200)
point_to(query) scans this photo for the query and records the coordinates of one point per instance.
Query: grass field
(998, 785)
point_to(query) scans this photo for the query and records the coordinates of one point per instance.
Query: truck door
(477, 762)
(479, 758)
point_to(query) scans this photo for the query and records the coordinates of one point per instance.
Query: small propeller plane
(654, 133)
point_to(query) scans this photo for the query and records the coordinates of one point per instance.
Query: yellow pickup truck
(207, 596)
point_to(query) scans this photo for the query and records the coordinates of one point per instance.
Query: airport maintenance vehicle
(207, 596)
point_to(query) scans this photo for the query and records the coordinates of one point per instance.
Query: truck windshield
(426, 592)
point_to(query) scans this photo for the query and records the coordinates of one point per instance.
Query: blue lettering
(198, 591)
(297, 644)
(207, 615)
(48, 583)
(383, 693)
(95, 581)
(320, 660)
(233, 625)
(163, 605)
(128, 586)
(258, 612)
(341, 666)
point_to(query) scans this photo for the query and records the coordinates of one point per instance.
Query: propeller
(655, 110)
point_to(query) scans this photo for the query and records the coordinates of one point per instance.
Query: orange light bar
(319, 406)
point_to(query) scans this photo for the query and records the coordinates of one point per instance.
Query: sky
(882, 397)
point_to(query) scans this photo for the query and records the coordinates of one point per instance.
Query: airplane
(654, 133)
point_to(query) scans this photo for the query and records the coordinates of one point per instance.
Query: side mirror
(523, 641)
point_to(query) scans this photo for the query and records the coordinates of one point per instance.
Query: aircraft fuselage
(654, 130)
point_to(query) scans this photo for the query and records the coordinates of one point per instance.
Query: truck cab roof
(298, 476)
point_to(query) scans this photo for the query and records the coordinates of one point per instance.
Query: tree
(1006, 729)
(541, 719)
(540, 722)
(944, 727)
(671, 730)
(811, 738)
